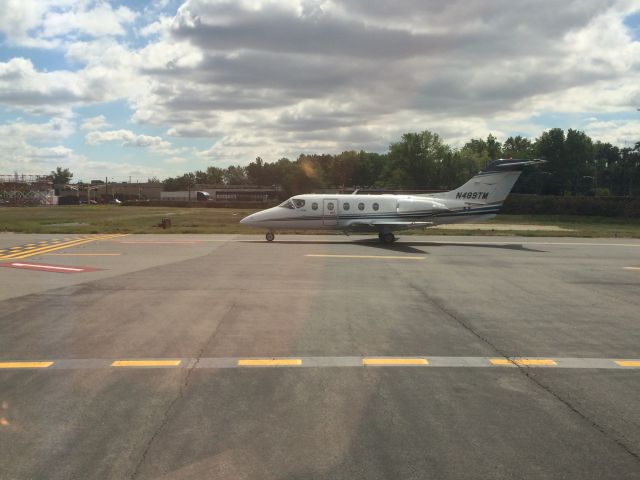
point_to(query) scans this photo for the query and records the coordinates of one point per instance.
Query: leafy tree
(211, 176)
(481, 152)
(568, 157)
(369, 170)
(186, 181)
(61, 176)
(343, 168)
(235, 175)
(630, 166)
(518, 147)
(578, 155)
(494, 148)
(421, 160)
(414, 161)
(550, 146)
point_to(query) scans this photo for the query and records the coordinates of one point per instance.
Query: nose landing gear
(270, 236)
(387, 238)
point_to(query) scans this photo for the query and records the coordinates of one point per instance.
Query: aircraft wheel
(270, 236)
(387, 238)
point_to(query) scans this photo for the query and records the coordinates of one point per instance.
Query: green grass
(577, 226)
(121, 219)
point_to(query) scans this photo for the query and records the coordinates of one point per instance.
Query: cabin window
(361, 206)
(287, 204)
(376, 206)
(330, 206)
(314, 205)
(299, 203)
(345, 206)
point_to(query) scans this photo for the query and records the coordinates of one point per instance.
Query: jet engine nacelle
(412, 204)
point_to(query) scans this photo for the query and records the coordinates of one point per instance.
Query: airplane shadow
(407, 246)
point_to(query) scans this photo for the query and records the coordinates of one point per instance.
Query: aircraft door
(329, 212)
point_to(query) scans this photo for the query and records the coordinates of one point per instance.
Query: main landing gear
(270, 236)
(387, 238)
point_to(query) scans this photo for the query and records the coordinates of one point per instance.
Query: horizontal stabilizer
(510, 164)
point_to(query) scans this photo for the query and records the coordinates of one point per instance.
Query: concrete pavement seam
(611, 435)
(167, 413)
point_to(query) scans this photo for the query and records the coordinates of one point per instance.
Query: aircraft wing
(389, 223)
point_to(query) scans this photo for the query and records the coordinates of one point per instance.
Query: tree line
(576, 165)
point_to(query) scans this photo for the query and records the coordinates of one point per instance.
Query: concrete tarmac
(209, 301)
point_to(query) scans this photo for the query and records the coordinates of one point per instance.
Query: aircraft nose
(247, 219)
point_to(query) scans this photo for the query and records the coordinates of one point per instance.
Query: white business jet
(477, 200)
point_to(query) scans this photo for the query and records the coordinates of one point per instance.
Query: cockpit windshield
(287, 204)
(292, 203)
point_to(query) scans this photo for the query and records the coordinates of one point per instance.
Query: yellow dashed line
(395, 361)
(628, 363)
(25, 364)
(264, 362)
(524, 361)
(84, 254)
(146, 363)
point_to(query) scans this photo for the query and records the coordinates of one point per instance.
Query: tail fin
(492, 184)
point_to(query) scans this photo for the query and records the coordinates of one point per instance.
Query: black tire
(387, 238)
(270, 236)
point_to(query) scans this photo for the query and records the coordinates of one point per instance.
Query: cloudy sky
(144, 88)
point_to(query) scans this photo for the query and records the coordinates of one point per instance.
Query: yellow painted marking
(523, 361)
(40, 248)
(84, 254)
(171, 242)
(628, 363)
(395, 361)
(146, 363)
(25, 364)
(391, 257)
(631, 268)
(265, 362)
(50, 248)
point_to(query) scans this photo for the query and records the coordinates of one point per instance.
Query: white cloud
(55, 129)
(98, 122)
(616, 132)
(101, 20)
(45, 23)
(175, 160)
(128, 139)
(281, 77)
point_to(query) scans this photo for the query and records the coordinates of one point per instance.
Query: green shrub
(518, 204)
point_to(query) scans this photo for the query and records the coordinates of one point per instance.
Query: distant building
(18, 190)
(186, 196)
(226, 193)
(101, 192)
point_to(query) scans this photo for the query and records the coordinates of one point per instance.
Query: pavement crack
(604, 431)
(183, 387)
(524, 370)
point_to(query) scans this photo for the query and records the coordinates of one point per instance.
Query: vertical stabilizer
(492, 184)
